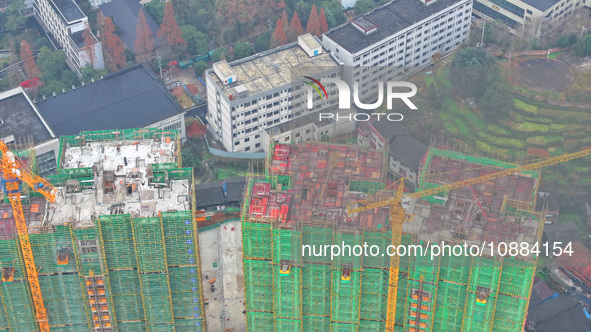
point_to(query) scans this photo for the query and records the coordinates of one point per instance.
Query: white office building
(248, 97)
(519, 14)
(396, 40)
(65, 23)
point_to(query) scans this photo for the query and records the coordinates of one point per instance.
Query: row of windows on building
(401, 39)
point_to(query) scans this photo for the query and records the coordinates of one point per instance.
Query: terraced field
(531, 126)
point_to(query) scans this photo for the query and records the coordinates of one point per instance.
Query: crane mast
(14, 172)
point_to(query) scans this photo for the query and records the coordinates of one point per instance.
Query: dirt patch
(544, 75)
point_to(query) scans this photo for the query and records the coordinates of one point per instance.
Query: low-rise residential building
(404, 151)
(128, 98)
(397, 39)
(22, 127)
(248, 96)
(519, 14)
(65, 24)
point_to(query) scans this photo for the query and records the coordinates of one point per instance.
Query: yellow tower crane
(14, 172)
(400, 201)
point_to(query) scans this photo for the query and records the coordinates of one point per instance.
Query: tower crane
(399, 202)
(14, 172)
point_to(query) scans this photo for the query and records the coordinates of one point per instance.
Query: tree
(200, 67)
(155, 9)
(69, 78)
(242, 50)
(183, 9)
(89, 46)
(89, 74)
(472, 71)
(322, 21)
(279, 37)
(334, 13)
(113, 48)
(295, 28)
(143, 42)
(196, 40)
(583, 46)
(284, 19)
(262, 42)
(313, 26)
(435, 95)
(219, 54)
(52, 64)
(170, 29)
(496, 99)
(29, 64)
(363, 6)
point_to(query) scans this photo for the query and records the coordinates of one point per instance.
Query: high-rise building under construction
(303, 199)
(118, 251)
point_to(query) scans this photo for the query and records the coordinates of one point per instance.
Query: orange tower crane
(14, 172)
(399, 202)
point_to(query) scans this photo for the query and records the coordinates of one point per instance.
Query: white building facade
(519, 14)
(249, 96)
(65, 23)
(398, 39)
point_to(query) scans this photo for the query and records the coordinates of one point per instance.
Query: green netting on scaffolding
(382, 240)
(111, 135)
(449, 308)
(181, 174)
(478, 160)
(287, 244)
(287, 292)
(131, 326)
(258, 285)
(255, 239)
(509, 314)
(45, 247)
(485, 273)
(423, 266)
(455, 269)
(288, 325)
(179, 238)
(161, 328)
(156, 168)
(343, 327)
(117, 240)
(366, 187)
(3, 319)
(347, 257)
(374, 294)
(17, 304)
(345, 297)
(370, 325)
(516, 278)
(478, 317)
(316, 286)
(69, 328)
(404, 262)
(9, 257)
(127, 297)
(259, 321)
(149, 244)
(185, 292)
(402, 298)
(189, 325)
(316, 323)
(316, 237)
(88, 250)
(64, 300)
(83, 175)
(156, 296)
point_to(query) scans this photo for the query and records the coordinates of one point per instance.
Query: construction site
(304, 199)
(117, 251)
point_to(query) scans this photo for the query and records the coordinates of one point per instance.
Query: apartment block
(517, 14)
(398, 39)
(65, 23)
(248, 96)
